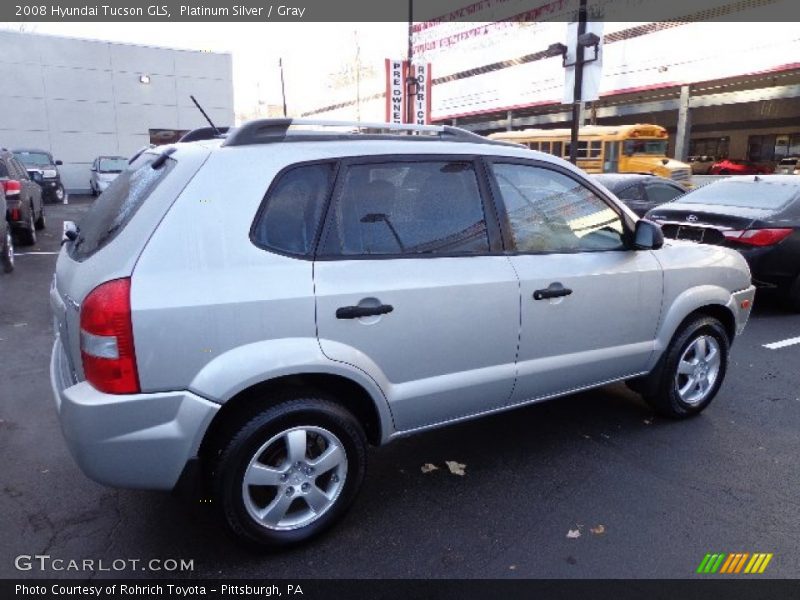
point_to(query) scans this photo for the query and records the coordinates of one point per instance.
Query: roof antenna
(210, 122)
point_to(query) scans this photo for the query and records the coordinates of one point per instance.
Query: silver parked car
(256, 309)
(105, 170)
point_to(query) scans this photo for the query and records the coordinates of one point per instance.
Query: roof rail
(204, 133)
(267, 131)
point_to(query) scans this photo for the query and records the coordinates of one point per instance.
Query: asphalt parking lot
(648, 497)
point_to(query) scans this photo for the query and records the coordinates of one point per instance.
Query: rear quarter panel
(201, 289)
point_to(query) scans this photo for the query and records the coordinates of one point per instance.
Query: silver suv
(256, 310)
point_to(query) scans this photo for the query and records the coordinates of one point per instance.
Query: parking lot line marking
(783, 343)
(32, 253)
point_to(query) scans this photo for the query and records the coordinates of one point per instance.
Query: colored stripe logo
(734, 563)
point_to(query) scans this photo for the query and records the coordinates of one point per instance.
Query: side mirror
(69, 232)
(94, 169)
(648, 235)
(59, 163)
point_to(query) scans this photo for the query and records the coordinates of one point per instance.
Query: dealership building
(80, 99)
(723, 81)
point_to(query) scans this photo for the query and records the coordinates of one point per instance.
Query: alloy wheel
(698, 369)
(294, 478)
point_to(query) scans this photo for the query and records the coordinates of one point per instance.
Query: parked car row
(708, 165)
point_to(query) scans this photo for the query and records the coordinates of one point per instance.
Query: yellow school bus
(638, 148)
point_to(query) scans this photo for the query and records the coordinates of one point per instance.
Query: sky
(309, 51)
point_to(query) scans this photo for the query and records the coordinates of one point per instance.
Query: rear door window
(114, 209)
(407, 209)
(292, 213)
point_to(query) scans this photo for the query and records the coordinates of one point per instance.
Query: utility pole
(358, 77)
(411, 90)
(578, 90)
(283, 86)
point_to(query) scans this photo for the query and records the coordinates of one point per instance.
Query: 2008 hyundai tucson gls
(267, 304)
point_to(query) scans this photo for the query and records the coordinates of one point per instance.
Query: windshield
(34, 159)
(113, 164)
(651, 147)
(747, 194)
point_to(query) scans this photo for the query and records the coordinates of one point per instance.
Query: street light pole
(578, 89)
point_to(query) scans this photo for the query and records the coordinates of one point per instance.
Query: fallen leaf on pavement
(456, 468)
(599, 530)
(428, 467)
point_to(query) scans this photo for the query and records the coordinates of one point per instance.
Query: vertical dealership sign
(422, 99)
(397, 92)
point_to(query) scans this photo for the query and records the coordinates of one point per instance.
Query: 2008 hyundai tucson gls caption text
(266, 305)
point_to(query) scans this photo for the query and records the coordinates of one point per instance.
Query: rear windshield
(747, 194)
(115, 207)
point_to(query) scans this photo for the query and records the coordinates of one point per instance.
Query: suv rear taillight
(757, 237)
(107, 351)
(12, 187)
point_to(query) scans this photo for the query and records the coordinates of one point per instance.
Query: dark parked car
(641, 192)
(6, 239)
(42, 161)
(733, 166)
(758, 216)
(25, 208)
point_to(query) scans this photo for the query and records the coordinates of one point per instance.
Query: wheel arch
(342, 390)
(713, 301)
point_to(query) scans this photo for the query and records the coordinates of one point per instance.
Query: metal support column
(509, 116)
(684, 126)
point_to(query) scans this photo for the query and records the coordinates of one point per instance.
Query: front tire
(289, 473)
(691, 370)
(58, 193)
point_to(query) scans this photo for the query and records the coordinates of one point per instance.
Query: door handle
(554, 290)
(356, 312)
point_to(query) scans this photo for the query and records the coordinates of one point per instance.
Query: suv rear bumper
(134, 441)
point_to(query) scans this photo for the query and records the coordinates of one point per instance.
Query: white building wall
(83, 98)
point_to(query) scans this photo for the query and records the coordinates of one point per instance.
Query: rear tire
(27, 236)
(7, 254)
(793, 297)
(691, 371)
(41, 223)
(308, 456)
